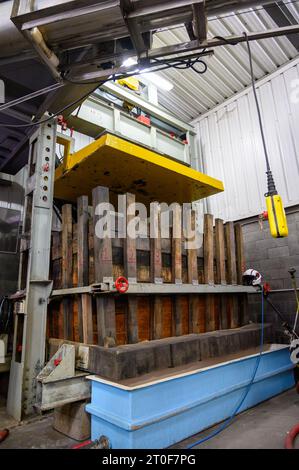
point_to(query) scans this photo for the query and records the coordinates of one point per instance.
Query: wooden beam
(209, 270)
(220, 270)
(192, 252)
(130, 266)
(85, 300)
(177, 244)
(155, 244)
(232, 300)
(177, 266)
(103, 272)
(231, 253)
(239, 253)
(208, 248)
(156, 268)
(67, 265)
(194, 303)
(220, 251)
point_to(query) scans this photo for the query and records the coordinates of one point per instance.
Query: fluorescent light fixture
(152, 77)
(159, 81)
(130, 61)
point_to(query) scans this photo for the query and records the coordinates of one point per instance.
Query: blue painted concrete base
(159, 414)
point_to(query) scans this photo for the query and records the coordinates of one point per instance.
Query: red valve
(122, 284)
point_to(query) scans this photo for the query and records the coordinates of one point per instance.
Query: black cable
(270, 180)
(57, 212)
(37, 123)
(183, 64)
(179, 64)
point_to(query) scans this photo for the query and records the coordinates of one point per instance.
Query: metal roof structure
(228, 69)
(55, 42)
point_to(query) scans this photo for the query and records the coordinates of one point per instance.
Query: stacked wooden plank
(79, 258)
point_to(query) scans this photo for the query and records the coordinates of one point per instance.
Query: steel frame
(148, 288)
(186, 49)
(34, 284)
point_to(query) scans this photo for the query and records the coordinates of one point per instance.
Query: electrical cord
(178, 64)
(227, 422)
(50, 118)
(270, 180)
(185, 64)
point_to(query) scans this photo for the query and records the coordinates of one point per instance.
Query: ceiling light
(130, 61)
(159, 81)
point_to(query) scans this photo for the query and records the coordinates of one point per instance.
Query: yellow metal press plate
(123, 167)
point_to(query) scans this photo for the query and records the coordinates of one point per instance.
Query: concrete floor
(262, 427)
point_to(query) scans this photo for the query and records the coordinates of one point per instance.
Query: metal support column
(34, 285)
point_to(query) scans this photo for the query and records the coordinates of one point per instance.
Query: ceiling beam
(282, 16)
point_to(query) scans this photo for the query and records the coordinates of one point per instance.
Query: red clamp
(122, 284)
(62, 122)
(266, 289)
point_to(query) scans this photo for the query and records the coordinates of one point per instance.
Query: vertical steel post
(31, 312)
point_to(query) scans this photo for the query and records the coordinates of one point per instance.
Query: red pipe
(291, 436)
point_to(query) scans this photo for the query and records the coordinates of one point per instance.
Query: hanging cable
(270, 180)
(226, 423)
(275, 210)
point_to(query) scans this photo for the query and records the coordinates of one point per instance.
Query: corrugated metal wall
(230, 146)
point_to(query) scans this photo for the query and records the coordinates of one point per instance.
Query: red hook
(122, 284)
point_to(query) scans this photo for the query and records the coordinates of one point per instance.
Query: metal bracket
(59, 382)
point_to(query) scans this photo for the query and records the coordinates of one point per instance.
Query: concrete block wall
(273, 258)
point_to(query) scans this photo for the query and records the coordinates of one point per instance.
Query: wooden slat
(177, 244)
(130, 268)
(82, 241)
(158, 317)
(232, 301)
(239, 253)
(102, 246)
(194, 301)
(243, 312)
(130, 261)
(192, 253)
(103, 271)
(220, 251)
(231, 253)
(209, 270)
(87, 319)
(233, 307)
(84, 301)
(155, 244)
(220, 270)
(208, 249)
(156, 268)
(177, 272)
(67, 265)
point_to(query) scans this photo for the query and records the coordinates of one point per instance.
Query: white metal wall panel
(230, 146)
(81, 140)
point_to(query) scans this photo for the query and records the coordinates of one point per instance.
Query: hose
(290, 437)
(226, 423)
